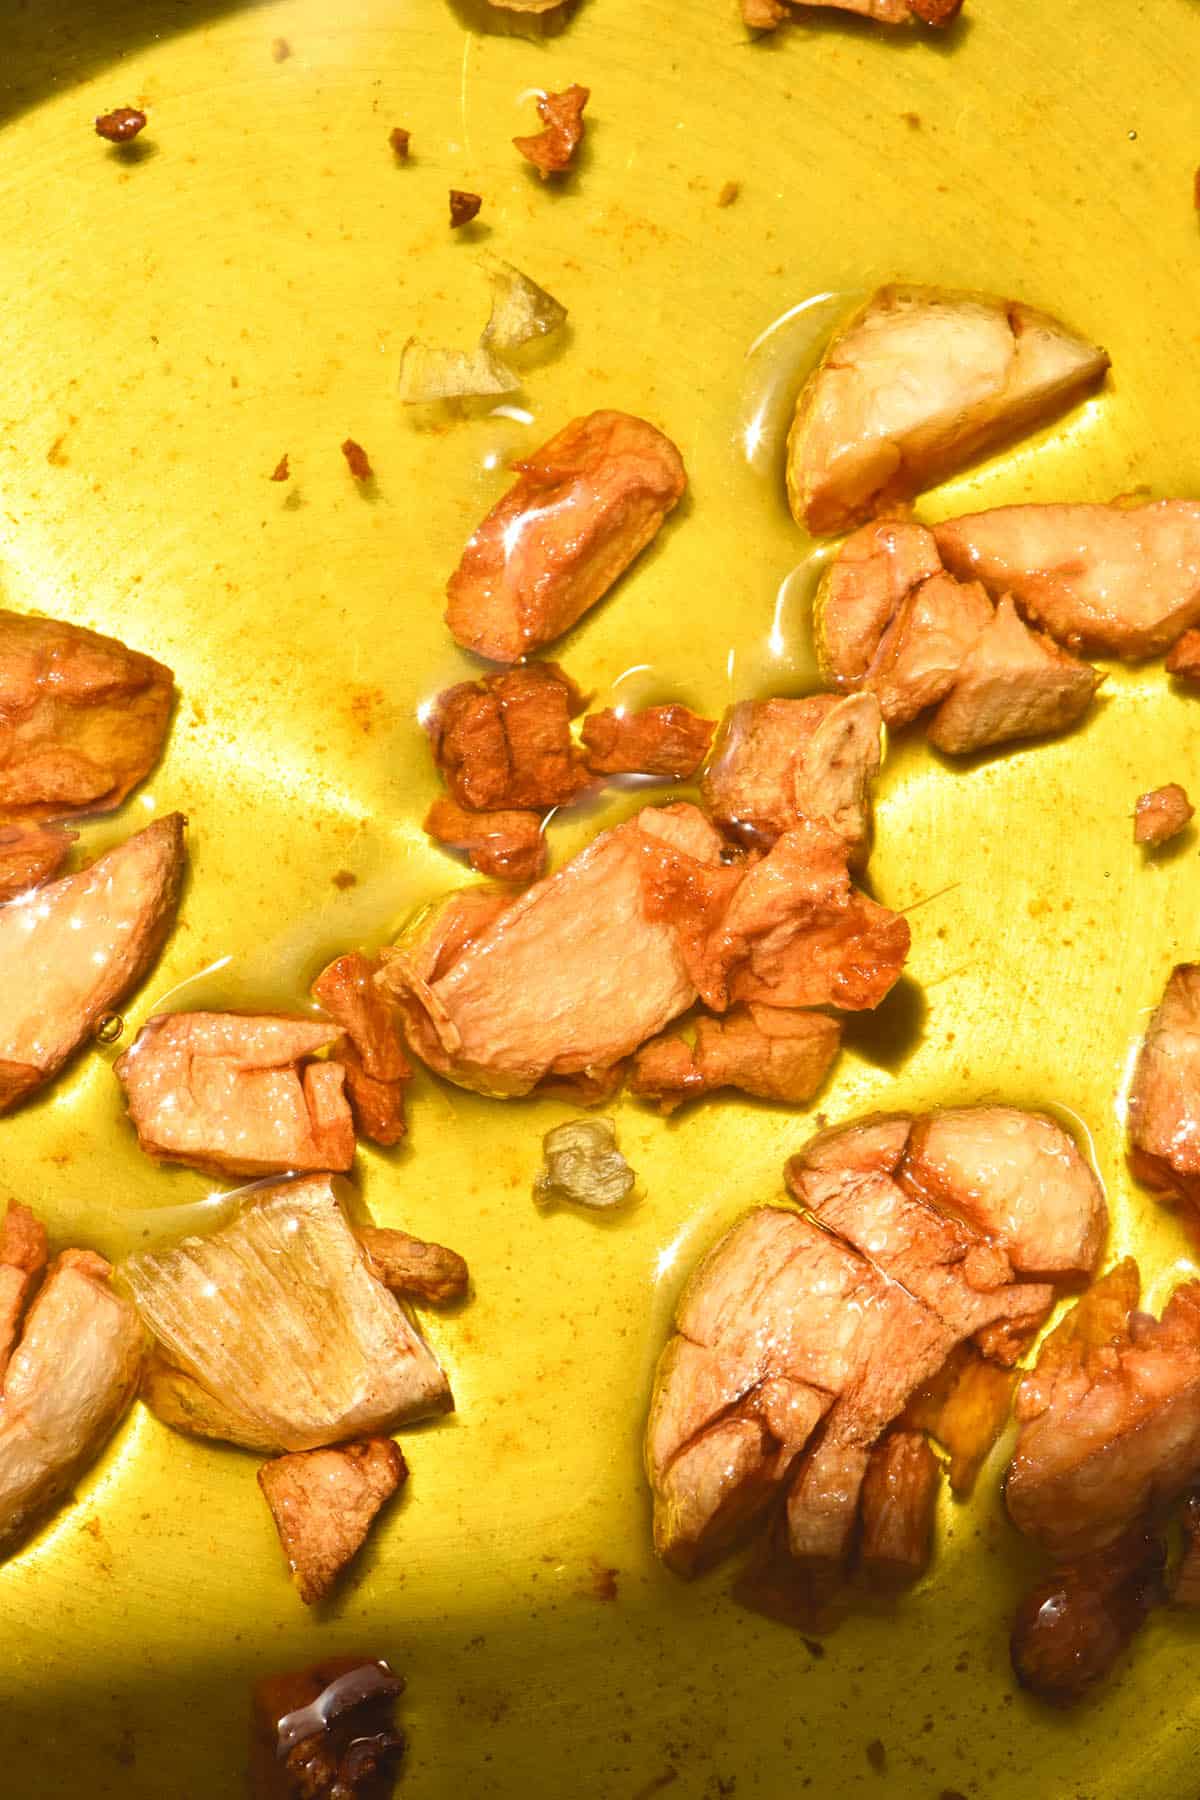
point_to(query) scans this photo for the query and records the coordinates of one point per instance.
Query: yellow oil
(242, 286)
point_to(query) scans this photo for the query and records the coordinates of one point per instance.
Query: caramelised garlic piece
(71, 951)
(840, 1157)
(507, 845)
(1119, 580)
(324, 1503)
(235, 1094)
(584, 1166)
(918, 384)
(867, 1316)
(584, 506)
(749, 787)
(889, 619)
(563, 982)
(963, 1274)
(965, 1408)
(791, 1322)
(1073, 1625)
(794, 931)
(31, 855)
(410, 1266)
(875, 570)
(1110, 1418)
(780, 761)
(1015, 1175)
(1161, 815)
(571, 978)
(82, 718)
(772, 1052)
(23, 1256)
(371, 1052)
(764, 15)
(1012, 683)
(552, 150)
(668, 741)
(781, 1324)
(283, 1287)
(1164, 1099)
(927, 646)
(504, 742)
(898, 1507)
(66, 1388)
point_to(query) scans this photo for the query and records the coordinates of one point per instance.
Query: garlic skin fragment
(584, 1166)
(521, 311)
(278, 1316)
(429, 372)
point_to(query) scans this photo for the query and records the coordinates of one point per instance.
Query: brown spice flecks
(281, 470)
(120, 125)
(729, 193)
(357, 460)
(463, 207)
(345, 878)
(280, 49)
(400, 139)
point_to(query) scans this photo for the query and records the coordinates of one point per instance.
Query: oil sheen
(244, 287)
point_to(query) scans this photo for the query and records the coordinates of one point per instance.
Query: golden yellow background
(240, 286)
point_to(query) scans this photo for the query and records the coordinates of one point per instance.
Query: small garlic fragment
(521, 310)
(428, 373)
(583, 1165)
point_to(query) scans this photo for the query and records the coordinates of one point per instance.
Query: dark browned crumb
(280, 49)
(1073, 1625)
(729, 193)
(877, 1755)
(463, 207)
(356, 460)
(400, 139)
(345, 878)
(121, 125)
(912, 120)
(281, 470)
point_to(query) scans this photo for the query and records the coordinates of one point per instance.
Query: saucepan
(237, 285)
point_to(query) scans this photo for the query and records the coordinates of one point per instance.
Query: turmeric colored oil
(239, 284)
